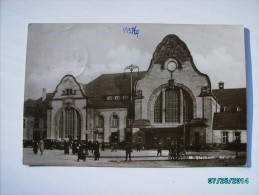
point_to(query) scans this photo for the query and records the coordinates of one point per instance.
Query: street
(144, 158)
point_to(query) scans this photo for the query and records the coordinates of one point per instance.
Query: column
(163, 106)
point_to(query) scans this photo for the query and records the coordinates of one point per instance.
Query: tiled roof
(37, 108)
(231, 98)
(111, 85)
(229, 120)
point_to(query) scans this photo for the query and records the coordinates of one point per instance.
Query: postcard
(135, 95)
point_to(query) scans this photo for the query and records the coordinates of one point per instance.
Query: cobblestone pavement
(144, 158)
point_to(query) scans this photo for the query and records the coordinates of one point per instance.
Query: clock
(171, 66)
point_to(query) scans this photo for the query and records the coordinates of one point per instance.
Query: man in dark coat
(96, 151)
(80, 153)
(35, 147)
(159, 149)
(66, 147)
(128, 148)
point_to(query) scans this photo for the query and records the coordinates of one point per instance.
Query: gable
(68, 87)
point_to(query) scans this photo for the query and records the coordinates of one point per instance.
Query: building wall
(218, 136)
(28, 128)
(61, 100)
(210, 107)
(108, 128)
(157, 77)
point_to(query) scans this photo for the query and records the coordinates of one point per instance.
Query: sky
(89, 50)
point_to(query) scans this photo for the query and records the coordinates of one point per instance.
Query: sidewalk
(152, 154)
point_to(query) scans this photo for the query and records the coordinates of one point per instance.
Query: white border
(19, 179)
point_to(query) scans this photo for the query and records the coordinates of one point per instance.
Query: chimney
(43, 94)
(221, 85)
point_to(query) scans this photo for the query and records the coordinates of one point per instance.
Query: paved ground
(144, 158)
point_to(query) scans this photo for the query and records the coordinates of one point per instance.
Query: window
(100, 122)
(69, 124)
(109, 98)
(125, 97)
(172, 106)
(158, 110)
(225, 137)
(115, 121)
(117, 97)
(69, 92)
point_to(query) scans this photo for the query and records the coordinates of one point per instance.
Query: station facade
(171, 101)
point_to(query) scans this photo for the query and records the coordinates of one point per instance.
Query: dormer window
(117, 97)
(223, 109)
(109, 98)
(125, 97)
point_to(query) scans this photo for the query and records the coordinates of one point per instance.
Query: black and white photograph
(135, 95)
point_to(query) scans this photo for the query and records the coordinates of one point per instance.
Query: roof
(37, 108)
(229, 120)
(231, 98)
(111, 85)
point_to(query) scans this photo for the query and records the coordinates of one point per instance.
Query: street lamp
(131, 69)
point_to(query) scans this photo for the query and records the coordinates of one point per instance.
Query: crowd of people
(83, 148)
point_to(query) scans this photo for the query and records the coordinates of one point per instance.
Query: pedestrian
(128, 148)
(74, 147)
(80, 153)
(66, 147)
(35, 147)
(138, 147)
(41, 146)
(172, 151)
(96, 151)
(159, 149)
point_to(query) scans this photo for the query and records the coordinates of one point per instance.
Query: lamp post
(131, 68)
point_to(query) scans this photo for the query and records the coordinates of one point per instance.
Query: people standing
(80, 153)
(96, 151)
(138, 147)
(128, 148)
(159, 149)
(41, 146)
(74, 147)
(66, 147)
(35, 147)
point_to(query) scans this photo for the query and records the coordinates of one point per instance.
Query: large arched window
(69, 124)
(173, 106)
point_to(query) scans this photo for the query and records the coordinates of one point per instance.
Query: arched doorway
(69, 124)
